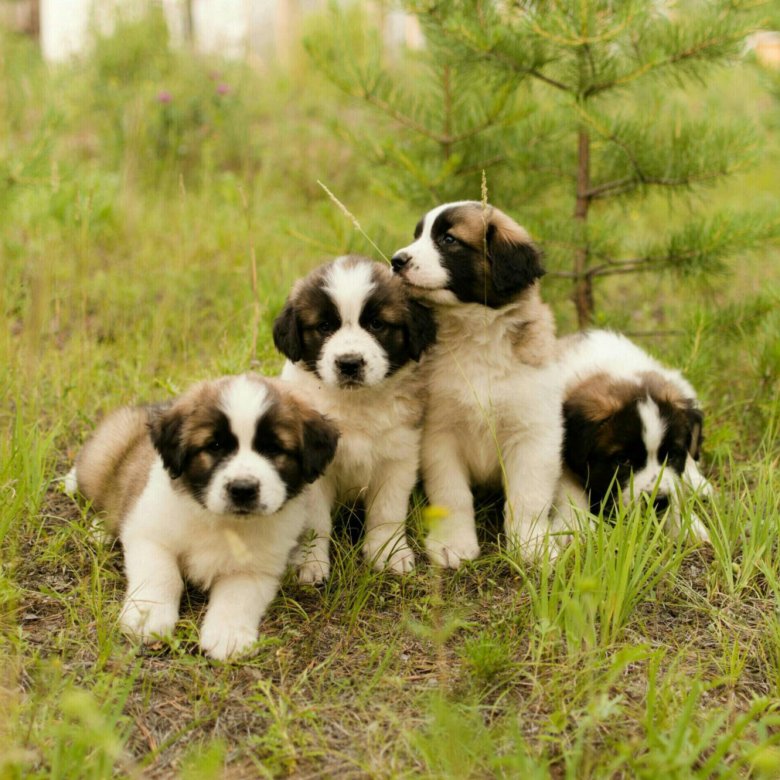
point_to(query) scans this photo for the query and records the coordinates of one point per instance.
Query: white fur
(378, 451)
(654, 476)
(601, 351)
(596, 351)
(376, 460)
(490, 420)
(167, 534)
(349, 286)
(425, 268)
(244, 402)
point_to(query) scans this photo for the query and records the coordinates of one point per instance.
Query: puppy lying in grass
(633, 428)
(207, 487)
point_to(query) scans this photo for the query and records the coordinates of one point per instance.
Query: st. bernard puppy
(353, 338)
(633, 428)
(494, 409)
(208, 488)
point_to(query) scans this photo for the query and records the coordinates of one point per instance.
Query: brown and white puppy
(207, 487)
(353, 338)
(633, 428)
(494, 408)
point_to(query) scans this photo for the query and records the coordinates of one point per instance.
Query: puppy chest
(353, 466)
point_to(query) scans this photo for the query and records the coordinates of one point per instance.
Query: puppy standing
(353, 337)
(206, 487)
(632, 427)
(494, 410)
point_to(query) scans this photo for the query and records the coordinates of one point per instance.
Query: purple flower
(164, 96)
(223, 89)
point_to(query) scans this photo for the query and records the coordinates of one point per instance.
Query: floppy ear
(515, 261)
(165, 425)
(420, 328)
(287, 335)
(696, 423)
(320, 438)
(578, 432)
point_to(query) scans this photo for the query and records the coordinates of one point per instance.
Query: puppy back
(113, 466)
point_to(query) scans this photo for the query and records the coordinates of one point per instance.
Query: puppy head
(465, 253)
(623, 435)
(353, 324)
(242, 445)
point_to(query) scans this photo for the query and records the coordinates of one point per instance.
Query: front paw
(221, 640)
(449, 550)
(313, 572)
(147, 621)
(391, 554)
(312, 562)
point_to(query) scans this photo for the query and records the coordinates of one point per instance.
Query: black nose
(243, 492)
(350, 365)
(399, 260)
(661, 503)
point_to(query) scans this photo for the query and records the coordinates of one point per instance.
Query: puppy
(633, 428)
(494, 408)
(353, 338)
(208, 488)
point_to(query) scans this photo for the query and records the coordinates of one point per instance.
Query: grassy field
(135, 189)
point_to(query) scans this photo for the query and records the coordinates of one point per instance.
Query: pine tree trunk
(583, 285)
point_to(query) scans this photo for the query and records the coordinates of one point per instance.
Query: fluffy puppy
(633, 428)
(206, 487)
(494, 409)
(353, 338)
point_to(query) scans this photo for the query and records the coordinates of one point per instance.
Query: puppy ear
(420, 328)
(165, 424)
(287, 335)
(515, 261)
(320, 438)
(696, 423)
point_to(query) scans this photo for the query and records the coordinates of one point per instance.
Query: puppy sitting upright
(205, 487)
(353, 337)
(632, 427)
(494, 407)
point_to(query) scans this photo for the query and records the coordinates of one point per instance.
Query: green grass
(127, 228)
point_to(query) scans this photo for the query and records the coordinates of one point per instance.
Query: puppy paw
(451, 552)
(313, 572)
(221, 640)
(146, 621)
(392, 554)
(698, 530)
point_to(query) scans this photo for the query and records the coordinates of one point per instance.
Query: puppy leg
(236, 604)
(311, 557)
(533, 471)
(154, 587)
(453, 538)
(385, 545)
(696, 480)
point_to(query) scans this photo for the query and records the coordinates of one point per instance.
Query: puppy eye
(376, 325)
(448, 239)
(325, 327)
(214, 446)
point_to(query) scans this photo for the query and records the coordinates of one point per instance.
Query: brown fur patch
(533, 335)
(600, 396)
(113, 466)
(470, 224)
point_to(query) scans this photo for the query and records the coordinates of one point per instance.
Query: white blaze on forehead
(431, 216)
(244, 401)
(349, 286)
(653, 427)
